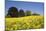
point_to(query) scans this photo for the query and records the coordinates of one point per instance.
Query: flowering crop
(22, 23)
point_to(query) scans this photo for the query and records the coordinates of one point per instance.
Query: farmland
(24, 23)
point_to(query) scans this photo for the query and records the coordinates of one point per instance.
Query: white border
(2, 14)
(2, 21)
(45, 14)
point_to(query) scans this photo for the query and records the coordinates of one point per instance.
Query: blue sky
(35, 7)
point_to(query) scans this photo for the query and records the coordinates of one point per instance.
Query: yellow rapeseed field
(27, 22)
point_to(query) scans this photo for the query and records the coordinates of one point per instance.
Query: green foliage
(28, 13)
(13, 12)
(21, 13)
(35, 14)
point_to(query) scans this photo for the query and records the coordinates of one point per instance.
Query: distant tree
(13, 12)
(21, 13)
(35, 14)
(28, 13)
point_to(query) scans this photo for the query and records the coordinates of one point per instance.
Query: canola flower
(22, 23)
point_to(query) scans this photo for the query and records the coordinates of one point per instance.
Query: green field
(27, 22)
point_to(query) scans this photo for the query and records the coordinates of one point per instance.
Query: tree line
(13, 12)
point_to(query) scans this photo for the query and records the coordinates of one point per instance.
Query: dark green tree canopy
(21, 13)
(13, 12)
